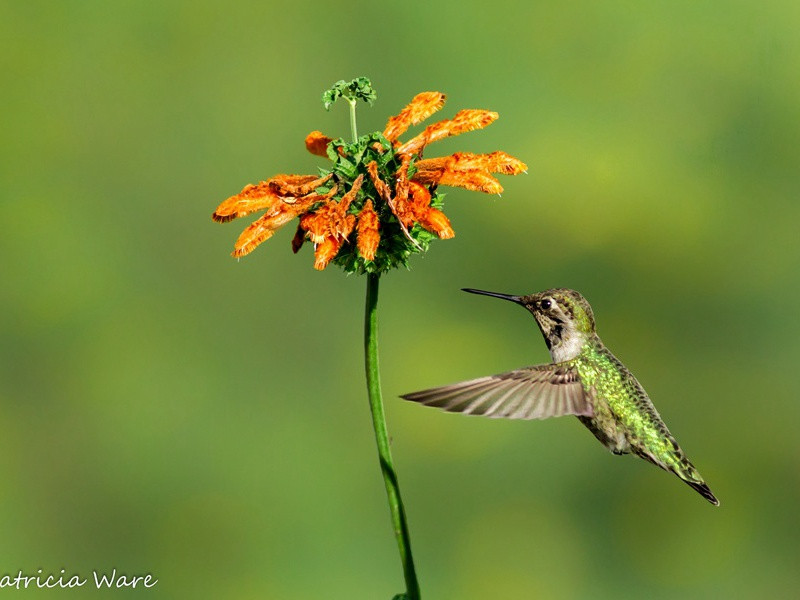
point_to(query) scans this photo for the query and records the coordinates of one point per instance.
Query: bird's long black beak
(516, 299)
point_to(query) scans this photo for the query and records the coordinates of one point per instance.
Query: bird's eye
(546, 304)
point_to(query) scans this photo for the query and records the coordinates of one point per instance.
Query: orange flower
(251, 199)
(428, 217)
(368, 189)
(420, 108)
(275, 218)
(465, 120)
(436, 222)
(477, 181)
(325, 252)
(367, 236)
(317, 143)
(496, 162)
(397, 203)
(265, 194)
(297, 185)
(331, 219)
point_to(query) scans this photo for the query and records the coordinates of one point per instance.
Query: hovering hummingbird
(584, 380)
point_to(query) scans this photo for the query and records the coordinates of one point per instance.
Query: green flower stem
(382, 438)
(352, 102)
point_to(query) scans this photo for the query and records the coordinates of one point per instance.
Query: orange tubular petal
(420, 108)
(477, 181)
(419, 193)
(401, 179)
(404, 213)
(431, 177)
(351, 195)
(262, 228)
(386, 195)
(440, 163)
(317, 143)
(429, 218)
(367, 234)
(316, 224)
(400, 205)
(465, 120)
(257, 232)
(249, 200)
(346, 226)
(331, 219)
(380, 185)
(496, 162)
(500, 162)
(297, 185)
(416, 201)
(436, 222)
(279, 181)
(326, 252)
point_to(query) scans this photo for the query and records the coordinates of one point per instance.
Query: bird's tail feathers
(686, 472)
(703, 489)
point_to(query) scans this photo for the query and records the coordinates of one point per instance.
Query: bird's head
(564, 317)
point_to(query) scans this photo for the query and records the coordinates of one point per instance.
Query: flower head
(377, 202)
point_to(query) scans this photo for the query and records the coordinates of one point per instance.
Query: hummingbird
(585, 379)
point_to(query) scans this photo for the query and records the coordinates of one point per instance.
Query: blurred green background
(166, 409)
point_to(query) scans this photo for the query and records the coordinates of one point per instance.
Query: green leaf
(332, 149)
(359, 88)
(335, 92)
(345, 170)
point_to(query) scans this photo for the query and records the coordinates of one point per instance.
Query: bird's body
(585, 379)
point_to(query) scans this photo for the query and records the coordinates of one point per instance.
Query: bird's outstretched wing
(537, 392)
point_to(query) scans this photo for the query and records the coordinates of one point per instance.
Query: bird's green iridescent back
(625, 419)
